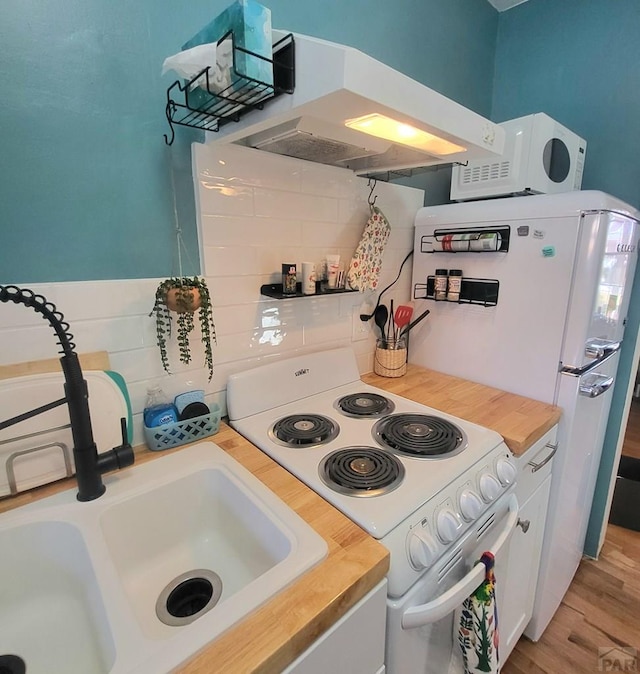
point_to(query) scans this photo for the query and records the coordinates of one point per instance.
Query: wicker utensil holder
(390, 358)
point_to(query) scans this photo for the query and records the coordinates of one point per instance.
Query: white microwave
(540, 157)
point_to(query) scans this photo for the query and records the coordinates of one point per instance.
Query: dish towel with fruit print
(364, 269)
(478, 625)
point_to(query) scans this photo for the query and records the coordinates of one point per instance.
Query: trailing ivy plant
(185, 297)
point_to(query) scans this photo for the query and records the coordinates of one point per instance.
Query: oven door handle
(446, 603)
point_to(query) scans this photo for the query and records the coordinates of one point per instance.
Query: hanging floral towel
(478, 625)
(364, 269)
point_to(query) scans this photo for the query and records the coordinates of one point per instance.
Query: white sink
(178, 550)
(50, 603)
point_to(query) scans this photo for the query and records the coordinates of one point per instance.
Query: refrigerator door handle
(593, 385)
(598, 349)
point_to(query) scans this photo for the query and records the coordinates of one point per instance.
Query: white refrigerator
(545, 290)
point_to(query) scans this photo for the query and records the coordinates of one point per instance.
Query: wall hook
(372, 184)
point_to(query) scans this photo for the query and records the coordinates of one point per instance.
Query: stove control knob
(422, 548)
(490, 488)
(506, 472)
(448, 525)
(471, 505)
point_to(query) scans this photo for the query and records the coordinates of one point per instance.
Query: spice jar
(455, 284)
(289, 279)
(440, 284)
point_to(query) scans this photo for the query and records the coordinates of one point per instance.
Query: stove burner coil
(361, 471)
(365, 405)
(420, 435)
(304, 430)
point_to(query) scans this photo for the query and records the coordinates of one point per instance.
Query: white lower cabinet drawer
(354, 644)
(535, 464)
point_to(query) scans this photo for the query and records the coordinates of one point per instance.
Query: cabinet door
(519, 586)
(355, 643)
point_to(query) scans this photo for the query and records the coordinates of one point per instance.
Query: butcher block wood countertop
(275, 634)
(520, 421)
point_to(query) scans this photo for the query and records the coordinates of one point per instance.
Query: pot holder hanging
(364, 270)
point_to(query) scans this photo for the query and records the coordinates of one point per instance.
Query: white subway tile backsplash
(221, 199)
(27, 343)
(115, 334)
(222, 164)
(294, 206)
(106, 299)
(255, 211)
(354, 212)
(230, 260)
(327, 181)
(17, 315)
(228, 290)
(326, 236)
(230, 231)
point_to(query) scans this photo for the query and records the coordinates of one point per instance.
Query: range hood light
(405, 134)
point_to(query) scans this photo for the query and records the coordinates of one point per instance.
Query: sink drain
(187, 597)
(12, 664)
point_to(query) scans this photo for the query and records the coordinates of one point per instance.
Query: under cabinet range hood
(351, 111)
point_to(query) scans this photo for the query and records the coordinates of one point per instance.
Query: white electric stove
(414, 478)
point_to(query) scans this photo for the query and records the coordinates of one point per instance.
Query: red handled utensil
(402, 316)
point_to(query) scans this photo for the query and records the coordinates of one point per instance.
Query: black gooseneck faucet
(89, 464)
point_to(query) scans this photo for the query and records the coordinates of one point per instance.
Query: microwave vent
(485, 172)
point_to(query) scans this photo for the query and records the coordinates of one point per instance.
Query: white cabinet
(354, 644)
(525, 547)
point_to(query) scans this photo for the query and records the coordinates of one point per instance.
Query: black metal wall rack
(197, 104)
(480, 291)
(451, 241)
(274, 290)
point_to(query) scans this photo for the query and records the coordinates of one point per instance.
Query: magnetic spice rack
(480, 291)
(186, 107)
(502, 245)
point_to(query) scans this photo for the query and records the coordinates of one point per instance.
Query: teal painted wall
(579, 61)
(85, 176)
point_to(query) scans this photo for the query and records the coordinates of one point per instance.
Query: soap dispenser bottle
(158, 410)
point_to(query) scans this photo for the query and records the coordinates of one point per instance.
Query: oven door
(420, 624)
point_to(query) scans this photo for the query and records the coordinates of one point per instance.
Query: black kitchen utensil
(407, 328)
(380, 317)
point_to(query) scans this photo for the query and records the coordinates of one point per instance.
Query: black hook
(373, 187)
(169, 111)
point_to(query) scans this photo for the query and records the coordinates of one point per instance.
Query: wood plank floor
(602, 606)
(631, 446)
(601, 609)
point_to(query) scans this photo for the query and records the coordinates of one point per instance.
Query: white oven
(435, 490)
(422, 624)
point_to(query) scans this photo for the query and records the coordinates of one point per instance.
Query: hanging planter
(182, 298)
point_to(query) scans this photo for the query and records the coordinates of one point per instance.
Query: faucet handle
(118, 457)
(124, 453)
(123, 431)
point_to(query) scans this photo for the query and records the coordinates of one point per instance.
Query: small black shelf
(481, 291)
(274, 290)
(204, 108)
(438, 242)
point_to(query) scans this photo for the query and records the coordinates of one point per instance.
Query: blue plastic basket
(182, 432)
